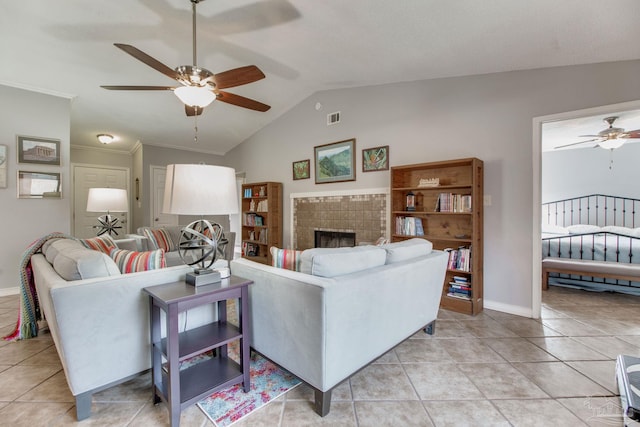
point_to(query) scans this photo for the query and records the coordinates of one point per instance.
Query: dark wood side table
(180, 389)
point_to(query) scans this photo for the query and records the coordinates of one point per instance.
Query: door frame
(536, 291)
(94, 166)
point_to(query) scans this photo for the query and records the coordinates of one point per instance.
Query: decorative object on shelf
(107, 200)
(375, 159)
(3, 166)
(105, 138)
(335, 162)
(301, 169)
(411, 201)
(201, 190)
(429, 182)
(38, 185)
(43, 151)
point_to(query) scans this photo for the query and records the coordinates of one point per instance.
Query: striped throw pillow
(160, 239)
(285, 258)
(131, 261)
(102, 243)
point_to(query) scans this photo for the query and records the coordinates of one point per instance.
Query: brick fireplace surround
(364, 212)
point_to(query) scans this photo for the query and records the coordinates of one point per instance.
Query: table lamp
(201, 190)
(107, 200)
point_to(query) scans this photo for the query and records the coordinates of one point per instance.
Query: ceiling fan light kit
(195, 96)
(200, 87)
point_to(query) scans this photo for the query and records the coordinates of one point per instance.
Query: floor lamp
(107, 200)
(201, 190)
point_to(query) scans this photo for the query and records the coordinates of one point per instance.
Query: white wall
(24, 220)
(486, 116)
(573, 173)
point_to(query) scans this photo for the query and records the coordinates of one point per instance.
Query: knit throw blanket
(29, 312)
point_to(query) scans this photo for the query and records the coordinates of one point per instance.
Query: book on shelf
(409, 226)
(263, 206)
(247, 193)
(450, 202)
(459, 259)
(456, 295)
(250, 249)
(262, 237)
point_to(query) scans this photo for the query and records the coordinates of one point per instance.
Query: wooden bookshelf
(451, 215)
(261, 220)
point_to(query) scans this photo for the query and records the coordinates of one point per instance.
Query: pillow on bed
(583, 229)
(625, 231)
(554, 229)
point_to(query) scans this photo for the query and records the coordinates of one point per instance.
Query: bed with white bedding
(593, 228)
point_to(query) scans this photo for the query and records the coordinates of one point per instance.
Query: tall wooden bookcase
(261, 220)
(443, 203)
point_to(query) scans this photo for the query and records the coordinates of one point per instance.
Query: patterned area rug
(268, 382)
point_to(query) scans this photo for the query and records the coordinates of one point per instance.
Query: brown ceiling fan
(199, 86)
(609, 138)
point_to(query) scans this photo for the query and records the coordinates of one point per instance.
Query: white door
(86, 177)
(159, 219)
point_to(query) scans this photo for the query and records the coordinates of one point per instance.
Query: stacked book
(409, 226)
(449, 202)
(459, 259)
(460, 288)
(247, 193)
(251, 219)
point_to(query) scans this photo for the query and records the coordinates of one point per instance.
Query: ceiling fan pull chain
(195, 126)
(610, 159)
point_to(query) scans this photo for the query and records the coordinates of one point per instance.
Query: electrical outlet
(486, 200)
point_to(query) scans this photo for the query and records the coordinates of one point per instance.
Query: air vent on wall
(333, 118)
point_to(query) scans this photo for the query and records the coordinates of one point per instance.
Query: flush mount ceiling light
(105, 138)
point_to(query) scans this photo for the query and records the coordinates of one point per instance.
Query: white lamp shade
(195, 96)
(200, 190)
(107, 200)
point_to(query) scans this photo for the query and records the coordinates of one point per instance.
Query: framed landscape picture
(375, 159)
(335, 162)
(38, 150)
(301, 169)
(38, 185)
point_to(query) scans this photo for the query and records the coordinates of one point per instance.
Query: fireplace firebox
(334, 239)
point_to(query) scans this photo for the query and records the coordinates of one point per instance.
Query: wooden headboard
(594, 209)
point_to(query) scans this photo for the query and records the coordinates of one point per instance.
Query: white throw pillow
(583, 229)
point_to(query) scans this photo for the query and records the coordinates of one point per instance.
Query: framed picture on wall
(335, 162)
(43, 151)
(39, 185)
(3, 166)
(301, 169)
(375, 159)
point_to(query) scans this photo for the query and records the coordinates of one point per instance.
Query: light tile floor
(493, 369)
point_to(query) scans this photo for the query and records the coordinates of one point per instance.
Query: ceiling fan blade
(150, 61)
(574, 143)
(238, 76)
(138, 87)
(192, 111)
(633, 133)
(241, 101)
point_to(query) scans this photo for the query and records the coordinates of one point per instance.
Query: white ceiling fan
(609, 138)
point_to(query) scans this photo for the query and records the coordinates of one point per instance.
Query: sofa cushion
(102, 243)
(285, 258)
(407, 249)
(159, 238)
(51, 250)
(332, 262)
(76, 263)
(133, 261)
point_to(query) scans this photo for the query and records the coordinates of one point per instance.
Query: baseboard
(508, 308)
(9, 291)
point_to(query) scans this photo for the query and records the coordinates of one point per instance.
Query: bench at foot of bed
(580, 267)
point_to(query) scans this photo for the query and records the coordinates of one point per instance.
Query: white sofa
(98, 317)
(344, 308)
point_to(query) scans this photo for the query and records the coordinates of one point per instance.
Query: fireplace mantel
(363, 211)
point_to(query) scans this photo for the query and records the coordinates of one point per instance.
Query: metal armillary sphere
(202, 243)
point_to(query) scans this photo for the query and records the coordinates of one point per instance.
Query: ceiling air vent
(333, 118)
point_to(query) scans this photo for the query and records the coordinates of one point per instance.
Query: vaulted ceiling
(66, 48)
